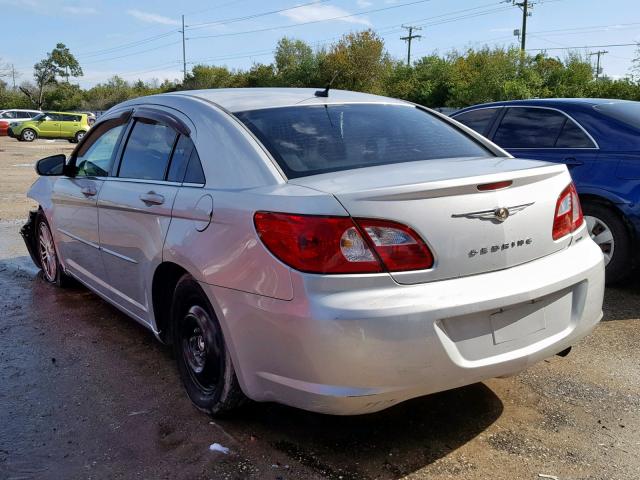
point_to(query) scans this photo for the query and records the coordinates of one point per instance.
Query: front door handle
(571, 161)
(89, 191)
(152, 198)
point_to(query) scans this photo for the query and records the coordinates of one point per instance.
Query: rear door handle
(89, 191)
(152, 198)
(572, 161)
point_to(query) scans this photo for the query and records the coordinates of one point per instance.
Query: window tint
(146, 155)
(573, 136)
(194, 170)
(23, 114)
(480, 120)
(55, 117)
(307, 140)
(95, 155)
(180, 159)
(8, 115)
(70, 118)
(529, 128)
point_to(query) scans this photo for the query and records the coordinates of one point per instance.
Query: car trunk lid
(441, 201)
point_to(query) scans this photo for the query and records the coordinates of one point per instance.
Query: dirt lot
(87, 393)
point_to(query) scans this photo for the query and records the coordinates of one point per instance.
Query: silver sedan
(335, 251)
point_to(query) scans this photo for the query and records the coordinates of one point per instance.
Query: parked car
(70, 126)
(599, 140)
(15, 115)
(338, 252)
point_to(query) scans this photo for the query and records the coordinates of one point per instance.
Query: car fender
(42, 191)
(602, 193)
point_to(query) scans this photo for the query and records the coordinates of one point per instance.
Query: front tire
(201, 353)
(28, 135)
(48, 256)
(608, 230)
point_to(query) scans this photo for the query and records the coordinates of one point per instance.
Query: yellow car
(71, 126)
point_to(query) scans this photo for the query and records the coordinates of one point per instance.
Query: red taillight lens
(316, 244)
(322, 244)
(568, 217)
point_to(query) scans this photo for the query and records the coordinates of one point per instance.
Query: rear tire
(608, 230)
(201, 353)
(78, 136)
(48, 255)
(28, 135)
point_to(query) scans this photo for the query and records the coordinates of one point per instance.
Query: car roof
(64, 113)
(550, 102)
(242, 99)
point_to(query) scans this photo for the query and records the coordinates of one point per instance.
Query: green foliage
(357, 61)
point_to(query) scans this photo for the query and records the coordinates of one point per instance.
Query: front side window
(146, 155)
(529, 128)
(95, 156)
(23, 114)
(308, 140)
(479, 120)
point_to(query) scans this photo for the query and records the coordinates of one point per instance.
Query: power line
(281, 27)
(611, 45)
(252, 16)
(409, 38)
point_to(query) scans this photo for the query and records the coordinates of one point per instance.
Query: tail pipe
(564, 352)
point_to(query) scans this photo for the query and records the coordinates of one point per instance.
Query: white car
(335, 251)
(17, 115)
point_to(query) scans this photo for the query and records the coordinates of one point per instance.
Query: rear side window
(194, 169)
(572, 136)
(23, 114)
(8, 115)
(180, 159)
(529, 128)
(479, 120)
(308, 140)
(146, 155)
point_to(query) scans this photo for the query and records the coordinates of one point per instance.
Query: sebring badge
(498, 214)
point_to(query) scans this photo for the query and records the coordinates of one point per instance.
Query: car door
(69, 125)
(74, 198)
(135, 209)
(548, 134)
(49, 127)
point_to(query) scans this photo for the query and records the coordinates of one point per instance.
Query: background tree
(58, 63)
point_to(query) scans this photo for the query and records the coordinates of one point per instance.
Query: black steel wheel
(201, 353)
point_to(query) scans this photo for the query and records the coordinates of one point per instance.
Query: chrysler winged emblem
(498, 214)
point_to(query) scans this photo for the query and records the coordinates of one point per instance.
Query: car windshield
(627, 112)
(308, 140)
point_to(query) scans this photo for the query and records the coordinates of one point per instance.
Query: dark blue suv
(599, 141)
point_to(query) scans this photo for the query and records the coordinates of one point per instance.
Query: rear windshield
(627, 112)
(309, 140)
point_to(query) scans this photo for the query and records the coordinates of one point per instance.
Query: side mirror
(51, 166)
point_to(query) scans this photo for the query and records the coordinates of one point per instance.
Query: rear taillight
(322, 244)
(568, 217)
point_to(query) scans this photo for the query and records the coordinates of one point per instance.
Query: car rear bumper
(358, 350)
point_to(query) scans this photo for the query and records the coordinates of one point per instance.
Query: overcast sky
(142, 40)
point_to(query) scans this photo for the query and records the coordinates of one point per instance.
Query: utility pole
(524, 6)
(598, 54)
(184, 53)
(13, 75)
(408, 39)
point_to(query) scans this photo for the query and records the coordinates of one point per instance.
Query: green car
(71, 126)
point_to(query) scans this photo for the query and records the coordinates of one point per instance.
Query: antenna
(325, 92)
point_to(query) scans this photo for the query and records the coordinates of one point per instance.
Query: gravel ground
(87, 393)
